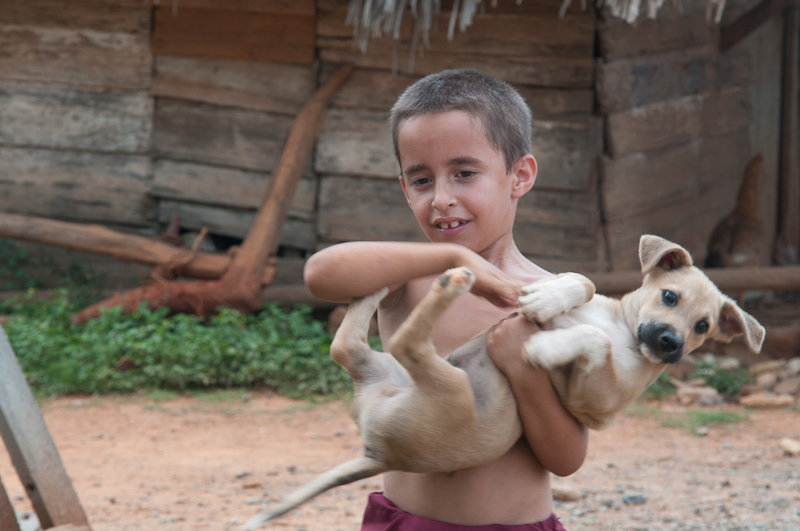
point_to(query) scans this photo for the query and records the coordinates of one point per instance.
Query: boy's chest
(465, 318)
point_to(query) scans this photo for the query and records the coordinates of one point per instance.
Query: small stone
(702, 431)
(764, 366)
(634, 498)
(765, 401)
(566, 494)
(791, 447)
(790, 386)
(766, 380)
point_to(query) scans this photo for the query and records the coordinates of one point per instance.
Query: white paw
(539, 352)
(543, 300)
(456, 281)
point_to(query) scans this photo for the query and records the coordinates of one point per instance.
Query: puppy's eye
(701, 327)
(669, 297)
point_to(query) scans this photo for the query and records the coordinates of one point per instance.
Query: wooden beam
(32, 450)
(743, 26)
(97, 239)
(727, 280)
(789, 231)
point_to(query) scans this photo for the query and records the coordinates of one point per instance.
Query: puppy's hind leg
(350, 347)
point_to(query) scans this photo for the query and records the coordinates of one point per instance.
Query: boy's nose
(443, 197)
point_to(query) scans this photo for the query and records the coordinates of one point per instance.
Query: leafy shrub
(285, 349)
(727, 382)
(660, 389)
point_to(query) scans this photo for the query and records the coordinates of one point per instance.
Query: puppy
(418, 412)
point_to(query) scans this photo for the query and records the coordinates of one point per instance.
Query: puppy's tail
(359, 468)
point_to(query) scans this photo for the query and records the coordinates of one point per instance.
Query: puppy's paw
(543, 300)
(456, 281)
(540, 352)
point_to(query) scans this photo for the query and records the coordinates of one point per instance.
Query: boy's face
(456, 183)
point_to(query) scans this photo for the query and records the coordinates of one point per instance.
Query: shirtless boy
(463, 142)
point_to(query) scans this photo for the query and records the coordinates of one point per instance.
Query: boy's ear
(403, 185)
(525, 171)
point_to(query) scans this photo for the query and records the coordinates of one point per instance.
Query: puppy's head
(678, 307)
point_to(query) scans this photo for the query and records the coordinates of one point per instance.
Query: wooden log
(80, 119)
(100, 240)
(75, 57)
(79, 186)
(262, 86)
(235, 33)
(678, 121)
(727, 280)
(221, 136)
(32, 450)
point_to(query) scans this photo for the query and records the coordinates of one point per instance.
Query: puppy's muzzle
(662, 340)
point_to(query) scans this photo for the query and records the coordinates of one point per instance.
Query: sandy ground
(210, 462)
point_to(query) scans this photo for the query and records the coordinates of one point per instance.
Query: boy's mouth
(450, 227)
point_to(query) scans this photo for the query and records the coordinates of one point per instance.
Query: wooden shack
(127, 112)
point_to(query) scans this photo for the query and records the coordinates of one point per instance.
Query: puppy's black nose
(670, 346)
(662, 340)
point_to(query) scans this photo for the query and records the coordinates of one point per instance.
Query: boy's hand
(490, 282)
(504, 342)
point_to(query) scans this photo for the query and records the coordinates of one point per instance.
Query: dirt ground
(210, 462)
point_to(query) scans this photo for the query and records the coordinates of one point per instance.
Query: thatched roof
(374, 18)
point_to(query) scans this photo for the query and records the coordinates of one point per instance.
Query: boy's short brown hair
(503, 113)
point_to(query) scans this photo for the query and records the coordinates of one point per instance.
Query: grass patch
(277, 348)
(692, 420)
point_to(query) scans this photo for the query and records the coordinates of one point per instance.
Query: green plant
(727, 382)
(660, 388)
(284, 349)
(13, 262)
(692, 420)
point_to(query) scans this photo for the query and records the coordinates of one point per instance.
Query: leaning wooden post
(8, 520)
(32, 449)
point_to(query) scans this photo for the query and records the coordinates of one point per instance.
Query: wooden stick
(727, 280)
(743, 26)
(97, 239)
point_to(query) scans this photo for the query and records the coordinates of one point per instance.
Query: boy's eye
(669, 297)
(420, 181)
(465, 174)
(701, 327)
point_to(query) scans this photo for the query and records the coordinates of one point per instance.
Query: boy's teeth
(451, 225)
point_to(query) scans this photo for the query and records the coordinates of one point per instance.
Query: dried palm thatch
(374, 18)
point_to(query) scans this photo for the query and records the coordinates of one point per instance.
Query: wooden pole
(97, 239)
(8, 519)
(789, 220)
(32, 449)
(727, 280)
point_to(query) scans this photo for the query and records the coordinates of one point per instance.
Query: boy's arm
(357, 269)
(555, 436)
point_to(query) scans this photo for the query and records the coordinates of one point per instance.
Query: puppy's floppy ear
(733, 321)
(656, 252)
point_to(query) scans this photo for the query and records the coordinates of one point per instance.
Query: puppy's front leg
(585, 344)
(543, 300)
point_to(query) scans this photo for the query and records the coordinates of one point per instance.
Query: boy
(463, 139)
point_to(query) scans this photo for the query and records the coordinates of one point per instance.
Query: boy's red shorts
(383, 515)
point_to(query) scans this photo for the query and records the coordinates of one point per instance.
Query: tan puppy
(421, 413)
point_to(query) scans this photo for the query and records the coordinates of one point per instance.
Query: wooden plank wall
(548, 59)
(76, 116)
(678, 117)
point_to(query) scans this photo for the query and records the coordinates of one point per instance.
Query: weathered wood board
(560, 226)
(77, 186)
(377, 90)
(32, 450)
(224, 136)
(246, 31)
(75, 57)
(296, 233)
(198, 183)
(39, 115)
(668, 32)
(131, 16)
(641, 80)
(358, 142)
(263, 86)
(679, 121)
